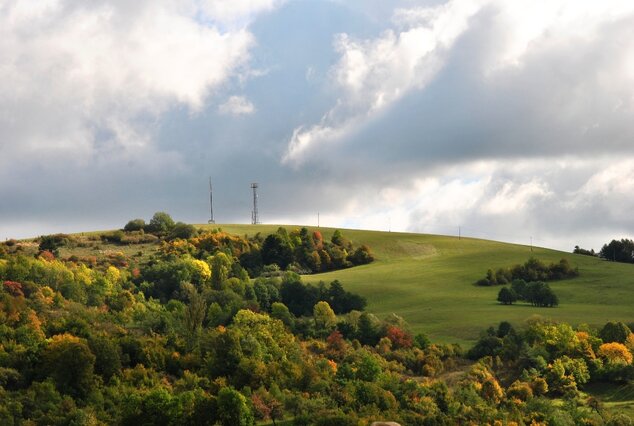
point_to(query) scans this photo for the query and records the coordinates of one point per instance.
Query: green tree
(134, 225)
(614, 332)
(275, 250)
(280, 311)
(325, 318)
(233, 409)
(70, 363)
(183, 230)
(107, 356)
(161, 223)
(220, 267)
(507, 296)
(194, 315)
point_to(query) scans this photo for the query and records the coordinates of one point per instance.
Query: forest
(215, 328)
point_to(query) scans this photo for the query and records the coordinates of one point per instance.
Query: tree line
(537, 293)
(532, 270)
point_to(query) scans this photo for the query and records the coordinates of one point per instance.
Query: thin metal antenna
(211, 203)
(254, 214)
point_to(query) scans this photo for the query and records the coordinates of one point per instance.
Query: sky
(508, 120)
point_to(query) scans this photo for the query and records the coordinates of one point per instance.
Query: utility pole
(317, 219)
(211, 203)
(459, 233)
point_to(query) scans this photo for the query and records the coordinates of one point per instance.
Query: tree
(69, 361)
(615, 353)
(400, 338)
(614, 332)
(107, 356)
(507, 296)
(183, 231)
(618, 251)
(325, 318)
(368, 329)
(280, 311)
(539, 293)
(233, 409)
(361, 256)
(275, 250)
(220, 267)
(161, 223)
(194, 315)
(134, 225)
(52, 243)
(267, 406)
(337, 238)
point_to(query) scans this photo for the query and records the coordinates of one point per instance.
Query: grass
(615, 398)
(428, 280)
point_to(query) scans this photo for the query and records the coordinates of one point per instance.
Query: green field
(428, 279)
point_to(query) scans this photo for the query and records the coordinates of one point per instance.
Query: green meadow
(428, 280)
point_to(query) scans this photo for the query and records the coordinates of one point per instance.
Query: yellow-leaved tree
(615, 353)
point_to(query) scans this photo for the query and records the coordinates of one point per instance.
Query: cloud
(86, 81)
(237, 105)
(550, 55)
(375, 73)
(236, 12)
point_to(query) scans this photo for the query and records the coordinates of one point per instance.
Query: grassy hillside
(428, 280)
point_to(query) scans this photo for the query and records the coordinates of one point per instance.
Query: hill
(428, 280)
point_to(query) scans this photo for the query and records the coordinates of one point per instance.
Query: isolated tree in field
(507, 296)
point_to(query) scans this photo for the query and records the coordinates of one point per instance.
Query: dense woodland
(220, 329)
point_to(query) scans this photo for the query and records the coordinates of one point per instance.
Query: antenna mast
(254, 214)
(211, 203)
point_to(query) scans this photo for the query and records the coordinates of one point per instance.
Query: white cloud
(513, 197)
(237, 105)
(83, 81)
